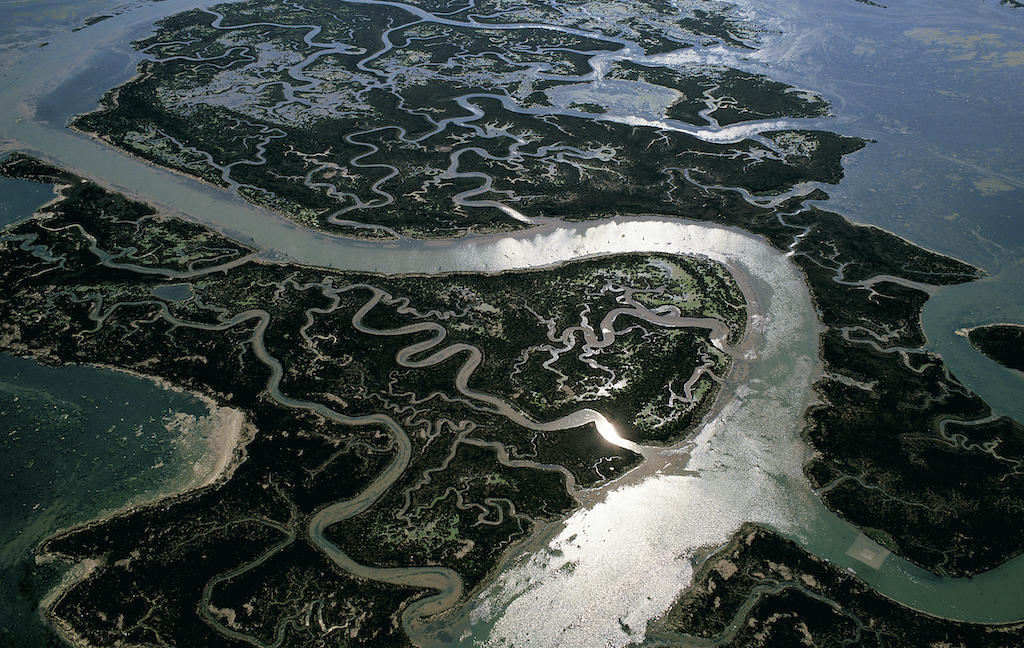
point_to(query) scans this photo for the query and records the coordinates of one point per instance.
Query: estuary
(614, 563)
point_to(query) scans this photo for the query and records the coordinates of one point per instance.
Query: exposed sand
(225, 434)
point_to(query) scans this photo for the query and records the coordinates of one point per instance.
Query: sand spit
(78, 573)
(218, 443)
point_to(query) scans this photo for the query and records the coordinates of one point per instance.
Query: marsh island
(456, 412)
(407, 434)
(1004, 343)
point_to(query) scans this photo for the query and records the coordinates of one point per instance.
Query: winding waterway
(634, 547)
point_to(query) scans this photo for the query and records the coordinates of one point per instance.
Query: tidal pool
(20, 199)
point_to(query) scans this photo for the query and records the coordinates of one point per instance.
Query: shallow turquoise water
(76, 442)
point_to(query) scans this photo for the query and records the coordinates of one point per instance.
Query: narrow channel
(747, 459)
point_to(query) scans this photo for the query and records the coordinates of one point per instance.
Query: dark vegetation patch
(1003, 343)
(764, 590)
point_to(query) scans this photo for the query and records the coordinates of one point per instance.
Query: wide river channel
(634, 543)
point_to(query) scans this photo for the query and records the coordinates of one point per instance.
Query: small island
(1003, 343)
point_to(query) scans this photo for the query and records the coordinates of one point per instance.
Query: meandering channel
(733, 449)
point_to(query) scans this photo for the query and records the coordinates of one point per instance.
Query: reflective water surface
(930, 82)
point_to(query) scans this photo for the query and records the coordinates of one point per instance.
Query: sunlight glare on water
(616, 566)
(611, 435)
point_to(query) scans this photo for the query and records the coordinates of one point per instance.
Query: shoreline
(656, 460)
(77, 573)
(228, 436)
(225, 434)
